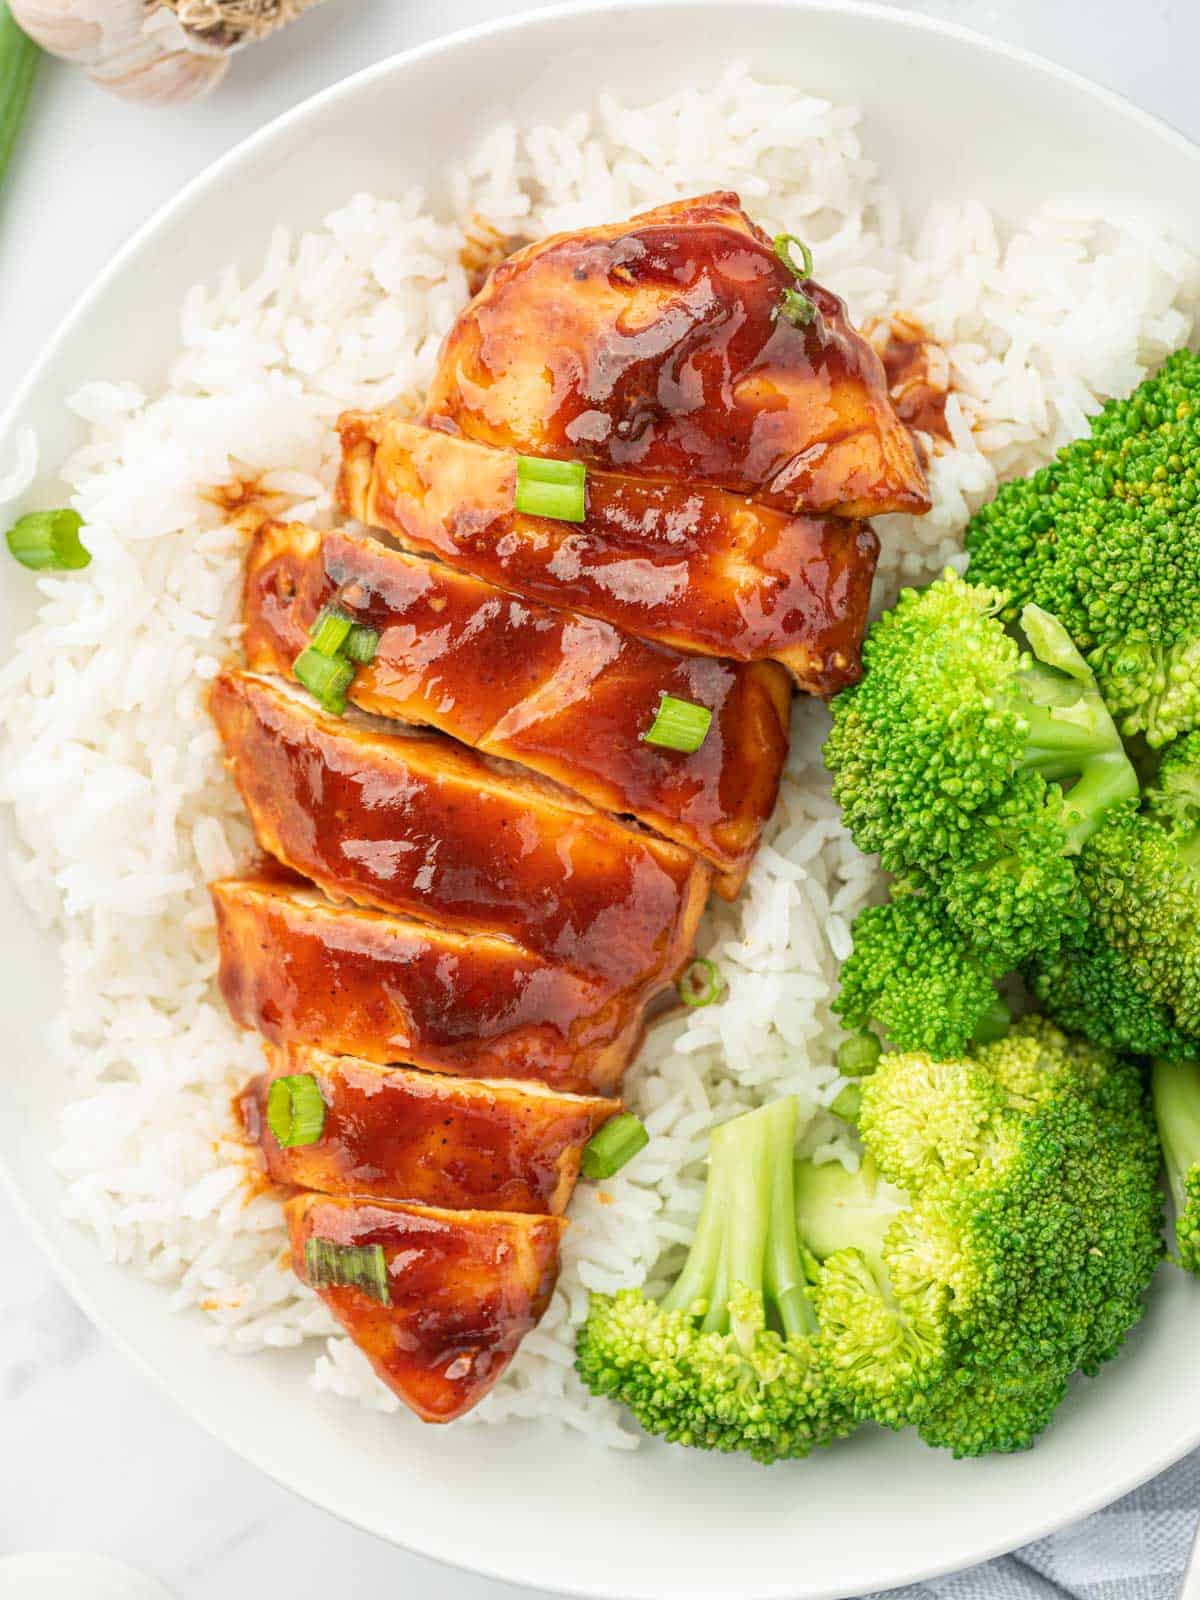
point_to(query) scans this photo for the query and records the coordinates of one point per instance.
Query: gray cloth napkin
(1135, 1549)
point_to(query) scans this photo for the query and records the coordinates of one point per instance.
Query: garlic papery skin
(157, 51)
(158, 77)
(162, 65)
(86, 31)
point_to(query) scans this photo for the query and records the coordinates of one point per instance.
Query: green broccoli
(1107, 537)
(727, 1361)
(1131, 978)
(1173, 794)
(914, 973)
(1031, 1234)
(1176, 1087)
(950, 756)
(997, 1237)
(1089, 988)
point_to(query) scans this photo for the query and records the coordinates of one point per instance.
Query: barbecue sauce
(659, 346)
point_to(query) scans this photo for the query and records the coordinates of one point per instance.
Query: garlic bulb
(157, 51)
(160, 63)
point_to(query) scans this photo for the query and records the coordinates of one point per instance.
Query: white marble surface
(91, 1456)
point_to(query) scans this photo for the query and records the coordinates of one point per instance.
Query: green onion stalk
(701, 984)
(18, 66)
(679, 725)
(551, 488)
(296, 1110)
(795, 306)
(48, 541)
(330, 1265)
(615, 1146)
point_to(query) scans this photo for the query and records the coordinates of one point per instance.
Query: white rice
(1042, 323)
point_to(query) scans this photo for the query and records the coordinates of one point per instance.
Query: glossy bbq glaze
(655, 346)
(918, 375)
(686, 564)
(355, 982)
(465, 1287)
(568, 697)
(414, 823)
(394, 1133)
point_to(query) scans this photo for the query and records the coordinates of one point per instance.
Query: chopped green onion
(19, 58)
(701, 984)
(361, 644)
(325, 677)
(614, 1146)
(549, 469)
(795, 307)
(858, 1056)
(347, 1266)
(785, 244)
(551, 488)
(679, 725)
(296, 1109)
(330, 631)
(994, 1023)
(49, 540)
(847, 1103)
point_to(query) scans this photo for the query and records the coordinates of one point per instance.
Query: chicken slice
(413, 822)
(392, 1133)
(355, 982)
(569, 697)
(656, 346)
(685, 564)
(449, 1294)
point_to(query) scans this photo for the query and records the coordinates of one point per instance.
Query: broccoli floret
(950, 758)
(1177, 1111)
(1089, 988)
(926, 1117)
(1031, 1234)
(1174, 794)
(1132, 979)
(881, 1349)
(1107, 537)
(914, 973)
(998, 1237)
(727, 1360)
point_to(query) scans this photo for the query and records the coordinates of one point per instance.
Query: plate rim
(211, 176)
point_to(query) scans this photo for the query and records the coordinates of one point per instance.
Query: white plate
(946, 113)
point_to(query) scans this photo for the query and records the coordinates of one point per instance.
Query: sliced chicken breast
(659, 345)
(681, 563)
(569, 697)
(415, 823)
(437, 1300)
(304, 971)
(393, 1133)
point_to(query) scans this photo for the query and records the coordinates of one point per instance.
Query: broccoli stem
(1071, 737)
(1052, 644)
(745, 1153)
(1176, 1091)
(1061, 746)
(694, 1285)
(994, 1023)
(840, 1210)
(746, 1237)
(786, 1280)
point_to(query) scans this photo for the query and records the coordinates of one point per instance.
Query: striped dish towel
(1135, 1549)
